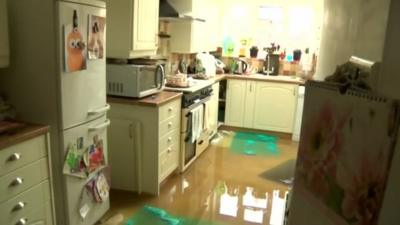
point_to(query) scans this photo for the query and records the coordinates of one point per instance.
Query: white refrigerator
(57, 76)
(83, 97)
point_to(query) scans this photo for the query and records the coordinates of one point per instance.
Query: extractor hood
(169, 13)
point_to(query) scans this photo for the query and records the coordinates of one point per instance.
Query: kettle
(240, 66)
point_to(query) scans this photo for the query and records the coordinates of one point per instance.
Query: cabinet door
(122, 155)
(249, 103)
(213, 111)
(235, 102)
(275, 106)
(145, 24)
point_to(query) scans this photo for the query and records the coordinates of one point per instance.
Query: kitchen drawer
(168, 140)
(37, 216)
(22, 179)
(22, 154)
(168, 161)
(171, 109)
(168, 125)
(21, 205)
(202, 144)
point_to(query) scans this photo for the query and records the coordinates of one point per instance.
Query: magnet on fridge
(84, 206)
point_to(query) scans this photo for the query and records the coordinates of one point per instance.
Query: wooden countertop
(153, 100)
(259, 77)
(22, 133)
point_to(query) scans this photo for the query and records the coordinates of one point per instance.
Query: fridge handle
(100, 126)
(100, 110)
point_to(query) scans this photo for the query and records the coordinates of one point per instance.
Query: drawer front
(168, 125)
(22, 179)
(23, 204)
(34, 217)
(168, 140)
(168, 162)
(171, 109)
(22, 154)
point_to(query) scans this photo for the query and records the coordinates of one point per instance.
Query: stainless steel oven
(136, 81)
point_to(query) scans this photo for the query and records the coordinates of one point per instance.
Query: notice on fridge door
(96, 37)
(74, 45)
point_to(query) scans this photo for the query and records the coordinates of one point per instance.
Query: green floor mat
(254, 144)
(149, 215)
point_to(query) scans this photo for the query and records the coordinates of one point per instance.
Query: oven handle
(160, 80)
(190, 107)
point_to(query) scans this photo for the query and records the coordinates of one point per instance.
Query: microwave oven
(135, 81)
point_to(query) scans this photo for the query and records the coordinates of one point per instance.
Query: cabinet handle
(170, 124)
(18, 206)
(169, 139)
(170, 109)
(17, 181)
(14, 157)
(22, 221)
(169, 150)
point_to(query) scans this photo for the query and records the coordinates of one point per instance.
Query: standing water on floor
(254, 144)
(149, 215)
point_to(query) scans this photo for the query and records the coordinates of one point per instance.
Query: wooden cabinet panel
(235, 101)
(145, 24)
(132, 28)
(144, 145)
(249, 103)
(122, 155)
(275, 106)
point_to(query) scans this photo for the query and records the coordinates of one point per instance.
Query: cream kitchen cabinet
(213, 111)
(235, 102)
(144, 144)
(240, 103)
(195, 36)
(25, 178)
(132, 28)
(261, 105)
(275, 106)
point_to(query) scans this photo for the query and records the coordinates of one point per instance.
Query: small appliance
(137, 81)
(240, 66)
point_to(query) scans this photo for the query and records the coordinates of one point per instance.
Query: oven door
(151, 79)
(188, 147)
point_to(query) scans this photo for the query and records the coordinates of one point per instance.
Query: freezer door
(83, 67)
(75, 186)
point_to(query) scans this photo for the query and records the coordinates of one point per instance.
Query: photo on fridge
(74, 45)
(96, 37)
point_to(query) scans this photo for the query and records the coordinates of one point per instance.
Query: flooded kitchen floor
(221, 187)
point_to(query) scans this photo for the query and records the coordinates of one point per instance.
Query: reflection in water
(228, 203)
(254, 209)
(253, 215)
(185, 184)
(251, 201)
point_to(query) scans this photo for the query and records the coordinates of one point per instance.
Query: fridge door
(75, 186)
(83, 78)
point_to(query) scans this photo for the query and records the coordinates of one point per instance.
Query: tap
(268, 71)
